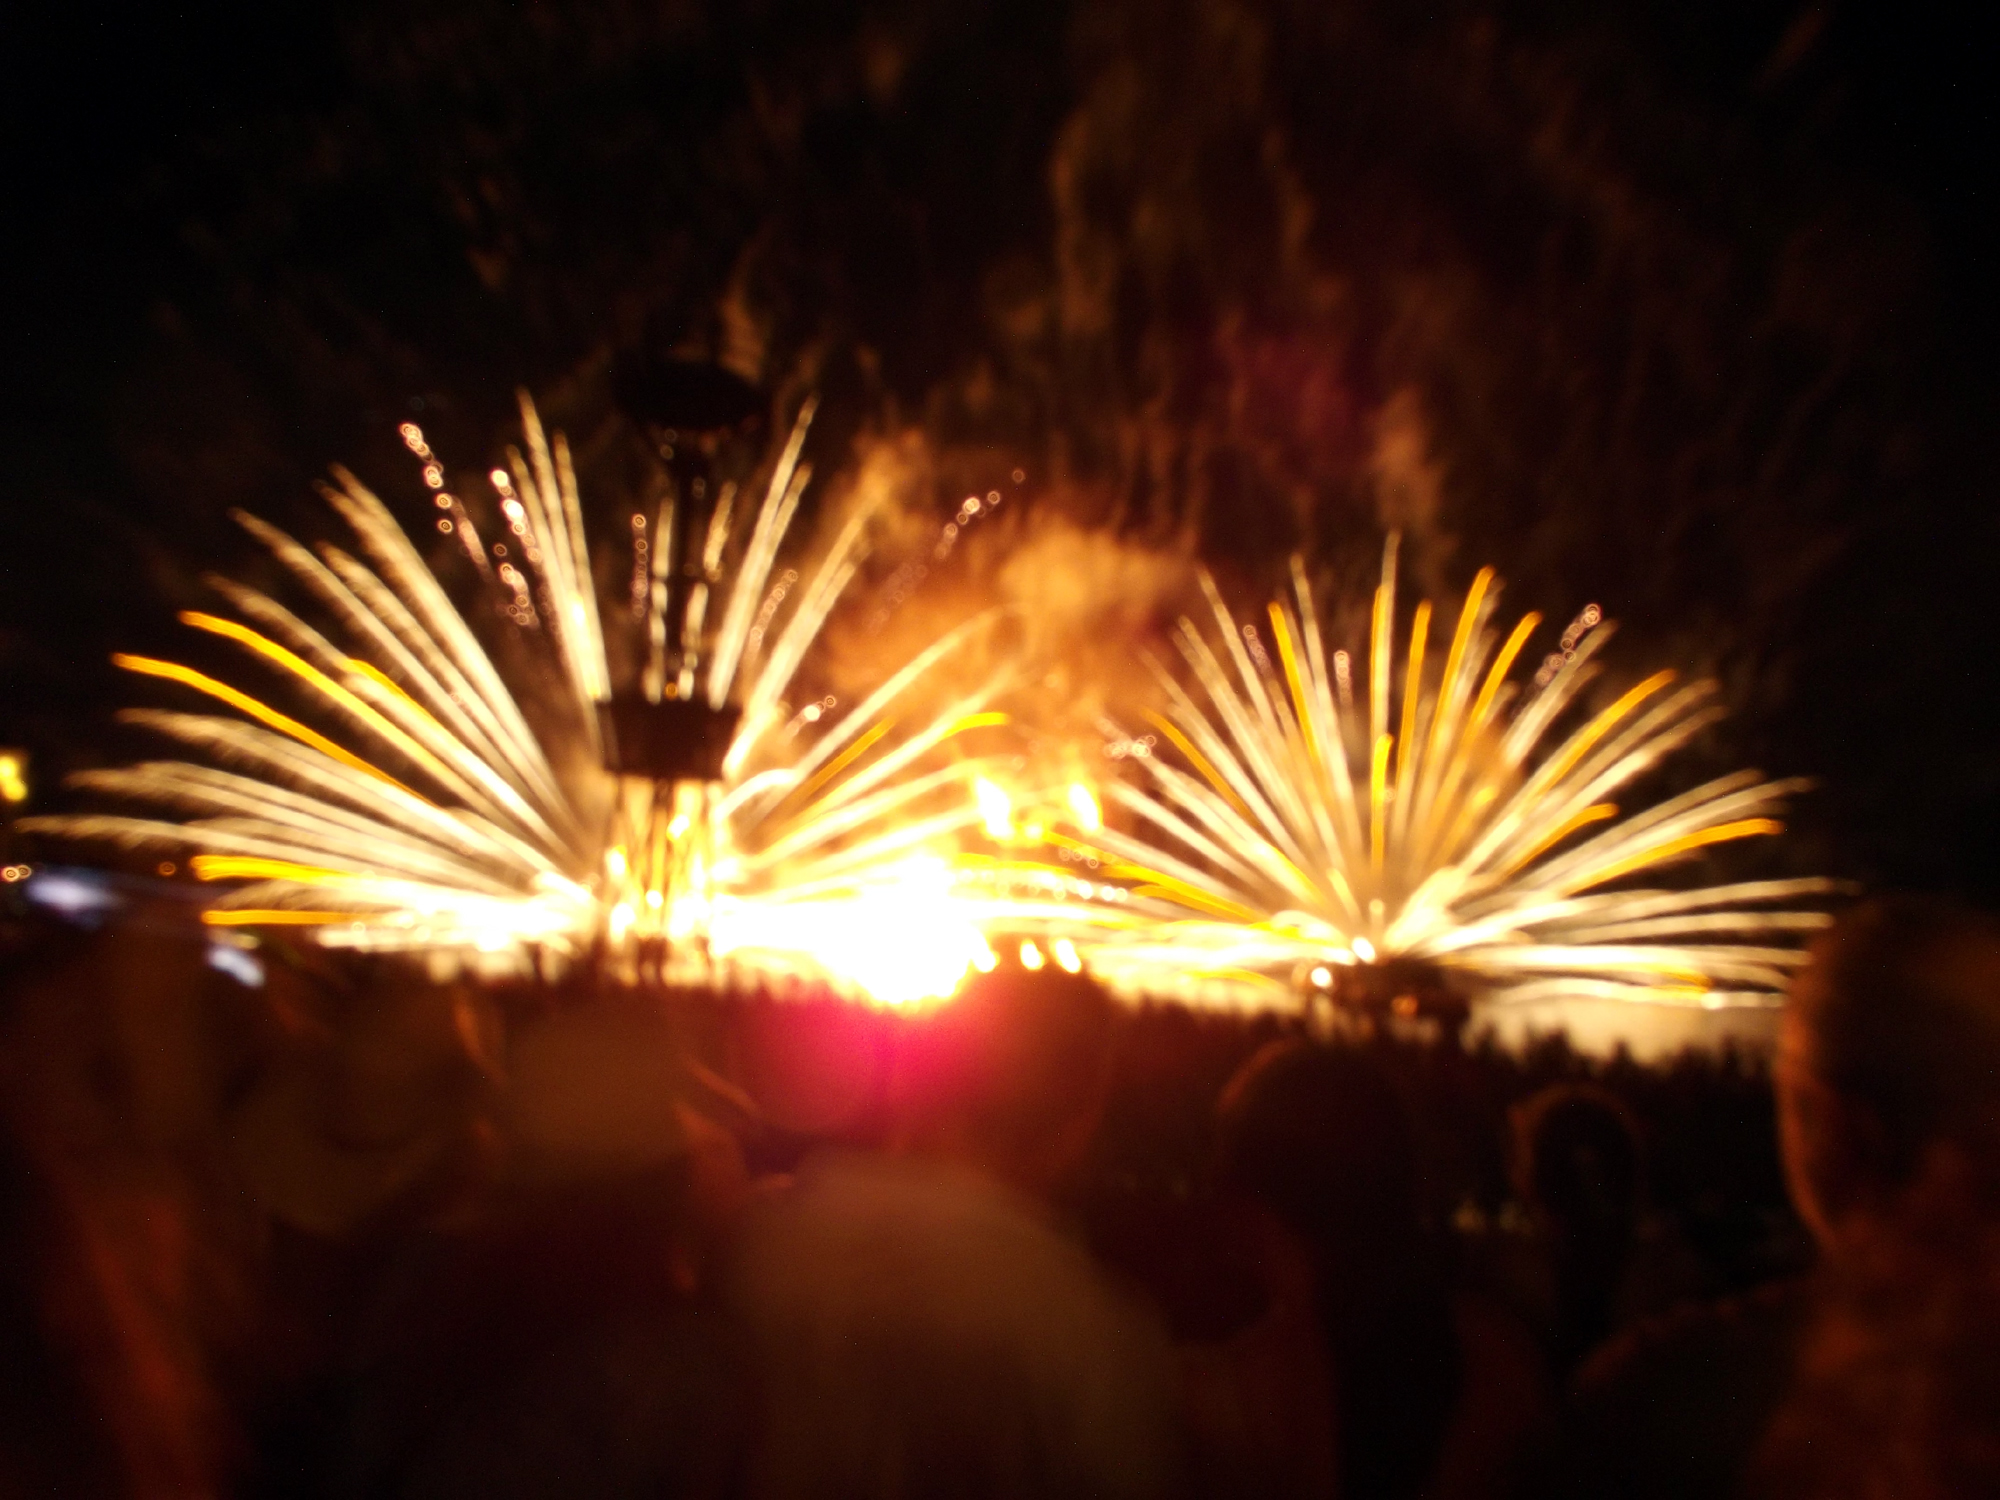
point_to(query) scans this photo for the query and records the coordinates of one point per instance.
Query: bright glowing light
(1066, 955)
(903, 938)
(1322, 976)
(996, 809)
(1083, 806)
(13, 776)
(1409, 803)
(1405, 806)
(485, 852)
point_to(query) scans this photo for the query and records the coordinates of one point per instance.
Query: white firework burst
(411, 804)
(1291, 829)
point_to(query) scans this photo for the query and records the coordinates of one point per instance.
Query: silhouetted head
(1889, 1060)
(1318, 1136)
(1577, 1160)
(1012, 1073)
(1576, 1166)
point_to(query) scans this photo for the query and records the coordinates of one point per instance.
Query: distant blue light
(76, 894)
(239, 964)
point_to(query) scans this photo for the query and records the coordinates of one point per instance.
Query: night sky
(1683, 308)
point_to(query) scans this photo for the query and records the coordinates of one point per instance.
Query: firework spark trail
(410, 805)
(1293, 835)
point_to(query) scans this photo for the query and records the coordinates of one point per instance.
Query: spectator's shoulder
(1697, 1337)
(1676, 1406)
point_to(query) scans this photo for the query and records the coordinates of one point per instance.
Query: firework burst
(1421, 834)
(409, 802)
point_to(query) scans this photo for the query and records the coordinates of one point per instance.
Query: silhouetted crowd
(1025, 1244)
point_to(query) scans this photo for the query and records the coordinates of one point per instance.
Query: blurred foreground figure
(1877, 1378)
(1889, 1091)
(122, 1247)
(1435, 1394)
(922, 1329)
(552, 1333)
(552, 1349)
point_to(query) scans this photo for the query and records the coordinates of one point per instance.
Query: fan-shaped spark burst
(411, 805)
(1286, 835)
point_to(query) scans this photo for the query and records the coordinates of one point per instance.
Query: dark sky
(1682, 307)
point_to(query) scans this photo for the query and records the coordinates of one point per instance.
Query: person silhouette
(1435, 1392)
(1577, 1170)
(1873, 1376)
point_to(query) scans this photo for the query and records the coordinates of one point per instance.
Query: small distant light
(679, 827)
(1031, 956)
(1066, 955)
(166, 867)
(1020, 476)
(655, 900)
(1404, 1005)
(434, 476)
(13, 874)
(1322, 976)
(622, 917)
(614, 862)
(1364, 950)
(985, 960)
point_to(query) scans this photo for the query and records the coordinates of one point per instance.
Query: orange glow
(13, 776)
